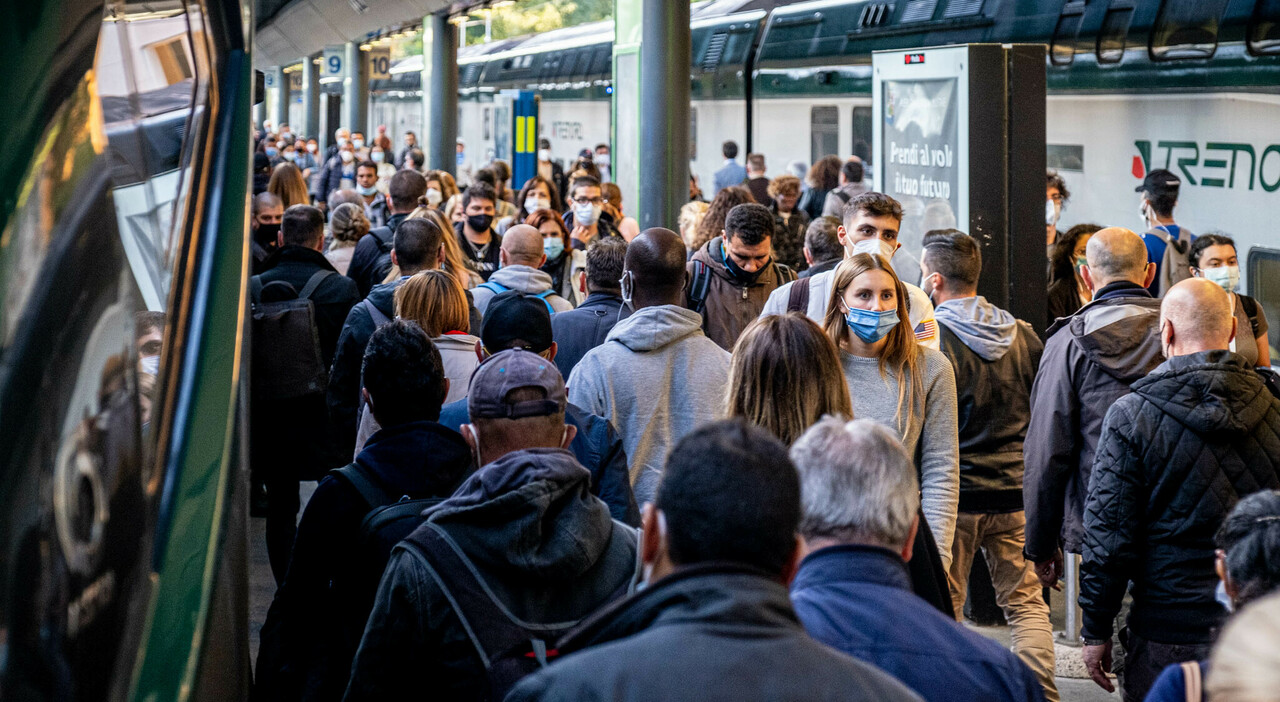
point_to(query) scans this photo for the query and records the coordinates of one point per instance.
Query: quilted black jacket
(1196, 435)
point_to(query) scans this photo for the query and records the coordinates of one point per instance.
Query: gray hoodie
(986, 329)
(657, 377)
(523, 278)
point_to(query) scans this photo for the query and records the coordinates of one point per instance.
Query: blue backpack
(499, 288)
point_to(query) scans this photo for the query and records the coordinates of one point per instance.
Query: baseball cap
(514, 369)
(516, 320)
(1159, 182)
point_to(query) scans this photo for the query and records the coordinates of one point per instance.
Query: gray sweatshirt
(657, 377)
(933, 428)
(523, 278)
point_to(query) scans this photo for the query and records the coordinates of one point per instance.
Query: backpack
(499, 288)
(798, 296)
(286, 361)
(701, 282)
(375, 314)
(381, 265)
(389, 518)
(1175, 264)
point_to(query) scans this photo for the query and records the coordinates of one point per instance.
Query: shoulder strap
(1250, 307)
(699, 285)
(1191, 680)
(370, 491)
(491, 286)
(844, 197)
(375, 314)
(798, 298)
(784, 273)
(543, 296)
(385, 238)
(314, 282)
(255, 289)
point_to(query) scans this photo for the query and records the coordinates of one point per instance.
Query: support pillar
(665, 60)
(310, 98)
(355, 90)
(440, 91)
(280, 106)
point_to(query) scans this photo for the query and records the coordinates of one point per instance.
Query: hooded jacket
(1176, 454)
(994, 357)
(709, 632)
(318, 614)
(1089, 362)
(525, 279)
(731, 304)
(538, 539)
(657, 377)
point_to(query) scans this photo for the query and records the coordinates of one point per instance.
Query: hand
(1097, 660)
(580, 233)
(1050, 571)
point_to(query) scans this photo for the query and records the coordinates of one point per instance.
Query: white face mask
(434, 197)
(376, 157)
(1225, 277)
(587, 214)
(875, 246)
(313, 147)
(358, 143)
(342, 141)
(150, 364)
(544, 154)
(602, 160)
(1052, 210)
(346, 156)
(533, 204)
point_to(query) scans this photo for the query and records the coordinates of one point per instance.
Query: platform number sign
(380, 64)
(333, 62)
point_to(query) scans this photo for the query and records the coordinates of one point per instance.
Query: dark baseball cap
(516, 320)
(1159, 182)
(493, 381)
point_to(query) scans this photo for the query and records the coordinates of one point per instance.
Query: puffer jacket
(995, 358)
(1194, 437)
(730, 305)
(1089, 362)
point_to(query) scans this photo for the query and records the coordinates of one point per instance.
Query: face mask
(313, 148)
(1225, 277)
(871, 326)
(346, 156)
(533, 204)
(461, 157)
(926, 284)
(358, 143)
(267, 234)
(552, 246)
(1081, 262)
(367, 192)
(1220, 594)
(876, 246)
(376, 157)
(150, 365)
(480, 222)
(587, 214)
(342, 141)
(739, 274)
(1142, 215)
(1052, 211)
(287, 136)
(544, 154)
(601, 160)
(272, 151)
(290, 156)
(434, 197)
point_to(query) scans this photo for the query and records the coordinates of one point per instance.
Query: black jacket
(1176, 454)
(994, 358)
(788, 237)
(708, 633)
(1089, 361)
(539, 540)
(759, 188)
(364, 269)
(579, 330)
(319, 612)
(1063, 299)
(812, 201)
(820, 267)
(330, 178)
(332, 299)
(486, 265)
(343, 395)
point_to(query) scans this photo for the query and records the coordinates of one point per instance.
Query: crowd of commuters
(560, 458)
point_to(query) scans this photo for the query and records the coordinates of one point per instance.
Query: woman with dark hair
(1067, 291)
(538, 193)
(1213, 257)
(564, 263)
(823, 177)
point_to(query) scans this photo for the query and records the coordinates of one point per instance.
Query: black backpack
(382, 265)
(390, 518)
(286, 358)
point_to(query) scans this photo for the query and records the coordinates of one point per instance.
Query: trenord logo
(1212, 164)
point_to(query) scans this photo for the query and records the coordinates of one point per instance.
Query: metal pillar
(664, 126)
(355, 90)
(280, 106)
(440, 91)
(310, 98)
(1071, 575)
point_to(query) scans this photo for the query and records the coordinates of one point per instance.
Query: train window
(1264, 28)
(962, 8)
(824, 129)
(919, 10)
(1063, 50)
(1186, 29)
(1064, 157)
(862, 133)
(693, 134)
(1264, 286)
(1115, 27)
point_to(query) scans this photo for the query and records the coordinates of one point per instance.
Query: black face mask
(267, 235)
(479, 223)
(740, 275)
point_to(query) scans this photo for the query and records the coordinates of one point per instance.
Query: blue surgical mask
(271, 151)
(552, 246)
(871, 326)
(371, 190)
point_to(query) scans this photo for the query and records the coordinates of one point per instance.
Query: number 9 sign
(333, 62)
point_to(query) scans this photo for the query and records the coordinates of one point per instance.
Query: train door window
(1115, 27)
(824, 130)
(1186, 29)
(693, 134)
(1264, 286)
(502, 132)
(1264, 28)
(172, 58)
(1063, 50)
(862, 133)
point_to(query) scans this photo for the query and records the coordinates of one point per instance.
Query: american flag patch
(926, 330)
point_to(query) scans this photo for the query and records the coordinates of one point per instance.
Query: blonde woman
(287, 184)
(1245, 665)
(346, 225)
(438, 304)
(897, 382)
(691, 214)
(453, 263)
(785, 376)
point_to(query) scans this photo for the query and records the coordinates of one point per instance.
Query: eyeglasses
(589, 200)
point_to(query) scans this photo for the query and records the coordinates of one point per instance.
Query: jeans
(1018, 590)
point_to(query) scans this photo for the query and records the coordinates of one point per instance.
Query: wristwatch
(1094, 642)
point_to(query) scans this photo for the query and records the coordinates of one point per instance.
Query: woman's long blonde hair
(287, 184)
(786, 376)
(901, 352)
(435, 301)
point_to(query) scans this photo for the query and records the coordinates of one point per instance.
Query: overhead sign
(334, 65)
(269, 79)
(380, 63)
(295, 80)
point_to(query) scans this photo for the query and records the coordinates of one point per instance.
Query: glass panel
(824, 126)
(1264, 286)
(1064, 157)
(862, 129)
(1186, 29)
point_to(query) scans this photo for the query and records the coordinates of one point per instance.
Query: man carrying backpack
(299, 306)
(371, 261)
(520, 258)
(475, 598)
(1168, 244)
(318, 615)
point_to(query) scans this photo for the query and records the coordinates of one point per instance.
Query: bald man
(1196, 435)
(519, 263)
(1090, 360)
(657, 376)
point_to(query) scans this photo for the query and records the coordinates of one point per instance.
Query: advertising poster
(921, 155)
